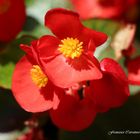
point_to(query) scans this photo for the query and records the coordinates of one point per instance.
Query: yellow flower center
(38, 77)
(71, 48)
(4, 6)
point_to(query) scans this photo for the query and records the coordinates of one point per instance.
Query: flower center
(4, 6)
(38, 77)
(71, 47)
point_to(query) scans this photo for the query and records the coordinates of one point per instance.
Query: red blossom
(31, 87)
(111, 9)
(12, 18)
(66, 60)
(68, 57)
(112, 90)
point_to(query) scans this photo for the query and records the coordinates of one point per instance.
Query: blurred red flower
(133, 66)
(12, 18)
(68, 57)
(31, 87)
(114, 9)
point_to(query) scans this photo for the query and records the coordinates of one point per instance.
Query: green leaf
(6, 74)
(8, 58)
(107, 26)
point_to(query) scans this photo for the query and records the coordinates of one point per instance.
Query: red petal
(47, 46)
(11, 21)
(134, 71)
(97, 37)
(72, 27)
(26, 49)
(63, 23)
(73, 114)
(66, 72)
(27, 94)
(32, 57)
(112, 90)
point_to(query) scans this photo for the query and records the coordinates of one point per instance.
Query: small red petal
(63, 23)
(134, 71)
(87, 35)
(26, 49)
(47, 46)
(30, 53)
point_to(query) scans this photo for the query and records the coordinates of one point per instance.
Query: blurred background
(16, 124)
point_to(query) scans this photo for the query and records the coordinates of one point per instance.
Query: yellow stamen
(71, 48)
(38, 77)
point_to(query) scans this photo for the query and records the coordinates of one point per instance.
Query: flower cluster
(60, 73)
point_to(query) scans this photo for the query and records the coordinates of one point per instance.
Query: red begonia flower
(31, 87)
(12, 18)
(116, 9)
(112, 90)
(133, 67)
(73, 114)
(68, 57)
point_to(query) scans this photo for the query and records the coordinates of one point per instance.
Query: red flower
(31, 87)
(35, 94)
(68, 57)
(133, 67)
(12, 17)
(112, 90)
(116, 9)
(73, 113)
